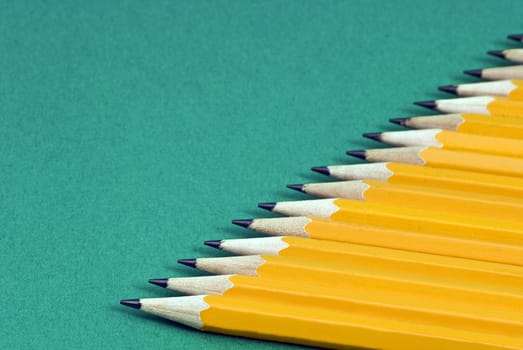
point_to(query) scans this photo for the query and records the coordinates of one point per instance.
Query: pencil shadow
(506, 44)
(490, 61)
(315, 177)
(145, 316)
(417, 111)
(234, 231)
(183, 271)
(463, 78)
(157, 292)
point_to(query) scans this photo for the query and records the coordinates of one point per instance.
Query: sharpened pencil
(412, 219)
(285, 321)
(468, 123)
(335, 299)
(365, 231)
(419, 197)
(477, 104)
(394, 294)
(384, 260)
(321, 274)
(513, 55)
(402, 297)
(516, 37)
(452, 140)
(511, 89)
(415, 175)
(441, 158)
(497, 73)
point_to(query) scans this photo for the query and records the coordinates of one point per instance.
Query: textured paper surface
(131, 132)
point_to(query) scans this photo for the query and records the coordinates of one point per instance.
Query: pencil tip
(243, 223)
(267, 206)
(517, 37)
(134, 303)
(215, 243)
(452, 89)
(357, 154)
(399, 121)
(187, 262)
(162, 282)
(298, 188)
(474, 72)
(321, 169)
(426, 104)
(373, 136)
(497, 53)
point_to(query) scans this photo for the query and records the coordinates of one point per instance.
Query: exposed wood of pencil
(275, 321)
(448, 159)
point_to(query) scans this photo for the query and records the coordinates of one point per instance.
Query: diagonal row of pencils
(421, 248)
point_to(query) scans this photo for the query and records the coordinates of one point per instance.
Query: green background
(131, 131)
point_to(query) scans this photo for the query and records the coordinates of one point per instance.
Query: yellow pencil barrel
(451, 179)
(415, 241)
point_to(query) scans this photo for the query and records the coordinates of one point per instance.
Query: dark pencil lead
(321, 169)
(243, 223)
(298, 188)
(267, 206)
(134, 303)
(399, 121)
(357, 154)
(474, 72)
(453, 89)
(517, 37)
(214, 243)
(497, 53)
(187, 262)
(426, 104)
(162, 282)
(373, 136)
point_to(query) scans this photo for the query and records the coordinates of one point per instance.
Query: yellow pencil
(478, 104)
(322, 274)
(441, 158)
(442, 269)
(497, 73)
(452, 140)
(511, 89)
(469, 123)
(357, 289)
(313, 296)
(418, 197)
(412, 219)
(364, 231)
(415, 175)
(344, 328)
